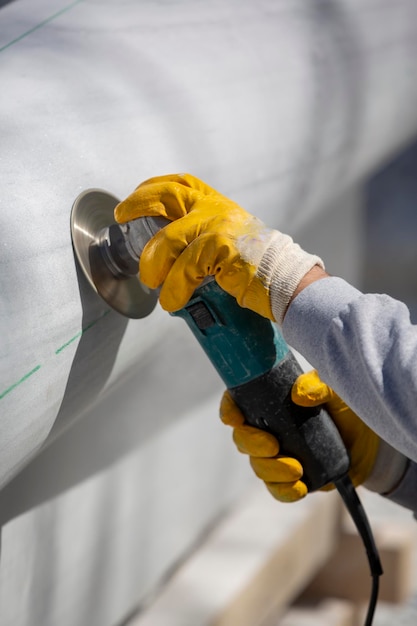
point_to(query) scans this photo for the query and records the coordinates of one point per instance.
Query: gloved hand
(283, 475)
(211, 235)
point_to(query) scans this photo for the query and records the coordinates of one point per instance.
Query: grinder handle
(258, 368)
(307, 434)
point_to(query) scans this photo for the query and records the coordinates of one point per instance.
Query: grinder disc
(91, 215)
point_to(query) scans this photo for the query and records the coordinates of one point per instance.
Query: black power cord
(357, 512)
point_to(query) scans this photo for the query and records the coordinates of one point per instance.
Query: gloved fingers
(309, 390)
(171, 200)
(162, 251)
(280, 469)
(255, 442)
(230, 414)
(204, 256)
(288, 492)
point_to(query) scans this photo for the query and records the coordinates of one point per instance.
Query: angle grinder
(247, 350)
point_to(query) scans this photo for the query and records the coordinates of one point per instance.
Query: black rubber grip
(307, 434)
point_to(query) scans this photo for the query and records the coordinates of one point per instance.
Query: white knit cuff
(388, 469)
(282, 267)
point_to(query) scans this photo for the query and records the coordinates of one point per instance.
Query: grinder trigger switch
(201, 315)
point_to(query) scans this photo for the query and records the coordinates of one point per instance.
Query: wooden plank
(346, 574)
(326, 613)
(253, 564)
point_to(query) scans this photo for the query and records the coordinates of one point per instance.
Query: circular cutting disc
(92, 213)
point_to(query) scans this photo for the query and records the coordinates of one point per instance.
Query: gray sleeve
(365, 347)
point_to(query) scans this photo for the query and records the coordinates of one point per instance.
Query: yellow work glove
(283, 475)
(210, 235)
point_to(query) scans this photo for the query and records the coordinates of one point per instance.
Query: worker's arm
(363, 346)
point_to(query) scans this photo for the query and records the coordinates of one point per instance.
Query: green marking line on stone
(81, 333)
(58, 351)
(48, 19)
(19, 382)
(67, 343)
